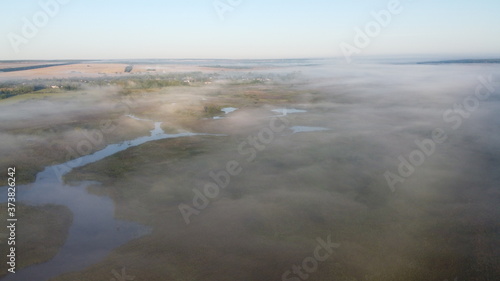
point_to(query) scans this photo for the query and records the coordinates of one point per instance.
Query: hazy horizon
(224, 140)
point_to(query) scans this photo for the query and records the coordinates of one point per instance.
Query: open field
(93, 69)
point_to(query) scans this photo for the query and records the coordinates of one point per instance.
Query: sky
(245, 29)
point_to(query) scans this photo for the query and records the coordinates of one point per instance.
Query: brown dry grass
(19, 64)
(92, 70)
(65, 71)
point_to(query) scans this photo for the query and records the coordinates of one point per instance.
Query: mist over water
(324, 174)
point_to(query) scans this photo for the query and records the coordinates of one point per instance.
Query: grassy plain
(299, 187)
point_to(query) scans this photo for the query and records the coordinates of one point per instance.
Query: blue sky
(112, 29)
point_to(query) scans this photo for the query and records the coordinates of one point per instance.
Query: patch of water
(302, 129)
(226, 111)
(285, 111)
(94, 231)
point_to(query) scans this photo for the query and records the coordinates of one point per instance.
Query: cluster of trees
(10, 89)
(7, 91)
(138, 82)
(135, 82)
(73, 86)
(158, 81)
(150, 83)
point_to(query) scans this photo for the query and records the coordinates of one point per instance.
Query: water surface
(94, 232)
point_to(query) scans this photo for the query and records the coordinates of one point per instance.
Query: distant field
(29, 67)
(28, 70)
(65, 71)
(13, 64)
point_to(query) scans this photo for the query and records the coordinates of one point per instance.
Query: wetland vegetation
(321, 175)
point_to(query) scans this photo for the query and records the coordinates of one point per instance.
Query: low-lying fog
(398, 164)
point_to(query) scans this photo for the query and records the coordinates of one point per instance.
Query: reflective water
(302, 129)
(285, 111)
(94, 231)
(226, 110)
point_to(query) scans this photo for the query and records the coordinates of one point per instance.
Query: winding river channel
(94, 231)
